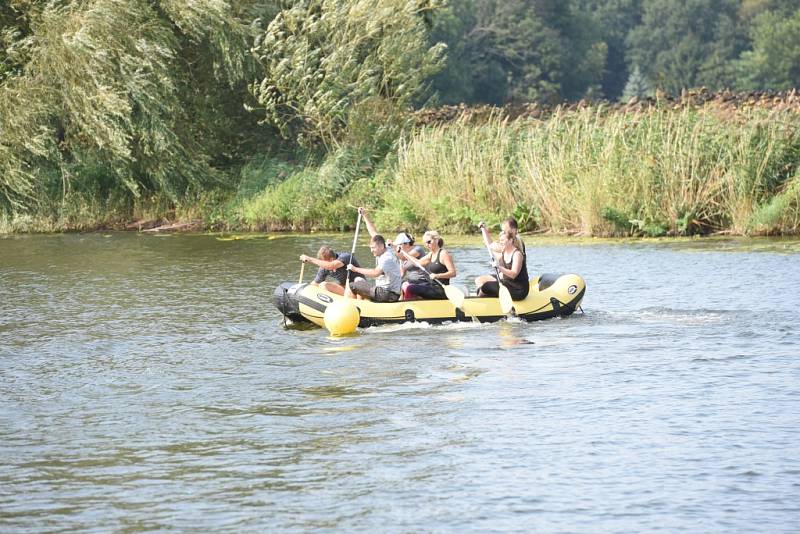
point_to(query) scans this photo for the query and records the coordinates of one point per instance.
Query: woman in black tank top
(439, 263)
(511, 263)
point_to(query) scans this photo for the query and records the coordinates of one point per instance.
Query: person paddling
(511, 228)
(441, 267)
(403, 246)
(332, 273)
(386, 274)
(510, 264)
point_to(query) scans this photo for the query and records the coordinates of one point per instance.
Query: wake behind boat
(551, 295)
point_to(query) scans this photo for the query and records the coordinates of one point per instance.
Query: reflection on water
(509, 333)
(149, 384)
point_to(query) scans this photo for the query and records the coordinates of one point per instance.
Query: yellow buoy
(341, 318)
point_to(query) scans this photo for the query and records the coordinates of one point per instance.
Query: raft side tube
(286, 301)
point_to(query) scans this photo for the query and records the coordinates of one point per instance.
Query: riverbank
(697, 166)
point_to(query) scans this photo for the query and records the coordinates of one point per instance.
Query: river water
(147, 383)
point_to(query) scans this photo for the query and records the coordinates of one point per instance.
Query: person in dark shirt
(332, 273)
(510, 264)
(404, 242)
(440, 266)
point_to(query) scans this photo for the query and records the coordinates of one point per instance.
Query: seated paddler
(406, 252)
(439, 264)
(510, 263)
(332, 272)
(386, 287)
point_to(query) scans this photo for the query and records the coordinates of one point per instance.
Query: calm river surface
(147, 383)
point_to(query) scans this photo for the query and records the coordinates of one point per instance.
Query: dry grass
(595, 172)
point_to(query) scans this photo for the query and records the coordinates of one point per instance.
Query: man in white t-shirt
(386, 274)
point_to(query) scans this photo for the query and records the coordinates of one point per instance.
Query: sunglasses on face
(428, 242)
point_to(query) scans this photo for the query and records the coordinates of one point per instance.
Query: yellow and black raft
(551, 295)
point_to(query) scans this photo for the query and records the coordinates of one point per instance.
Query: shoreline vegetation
(724, 163)
(269, 115)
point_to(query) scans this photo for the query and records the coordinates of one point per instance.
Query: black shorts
(432, 291)
(492, 289)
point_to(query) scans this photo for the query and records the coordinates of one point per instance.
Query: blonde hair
(433, 235)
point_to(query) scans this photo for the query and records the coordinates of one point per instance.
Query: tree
(322, 58)
(456, 81)
(774, 61)
(116, 94)
(636, 86)
(518, 50)
(681, 44)
(610, 21)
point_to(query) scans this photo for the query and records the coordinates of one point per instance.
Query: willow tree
(116, 94)
(324, 61)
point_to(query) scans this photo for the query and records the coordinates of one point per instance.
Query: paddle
(453, 294)
(506, 302)
(302, 267)
(352, 251)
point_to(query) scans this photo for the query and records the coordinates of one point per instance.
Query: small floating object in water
(341, 318)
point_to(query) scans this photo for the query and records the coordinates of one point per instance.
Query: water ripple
(148, 384)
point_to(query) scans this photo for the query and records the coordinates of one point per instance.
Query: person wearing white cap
(404, 243)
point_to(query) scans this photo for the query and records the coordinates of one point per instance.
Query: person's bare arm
(370, 226)
(372, 273)
(329, 265)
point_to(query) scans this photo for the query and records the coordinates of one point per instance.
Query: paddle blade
(455, 296)
(506, 303)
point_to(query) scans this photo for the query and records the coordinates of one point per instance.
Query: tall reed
(597, 172)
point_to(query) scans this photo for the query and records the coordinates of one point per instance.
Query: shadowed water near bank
(148, 383)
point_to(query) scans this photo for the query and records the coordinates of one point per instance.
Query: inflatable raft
(551, 295)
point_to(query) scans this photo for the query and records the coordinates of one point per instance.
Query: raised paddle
(352, 251)
(506, 302)
(302, 267)
(453, 294)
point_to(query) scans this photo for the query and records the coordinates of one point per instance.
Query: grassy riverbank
(655, 170)
(590, 171)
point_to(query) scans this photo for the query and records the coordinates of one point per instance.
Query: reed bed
(592, 171)
(657, 170)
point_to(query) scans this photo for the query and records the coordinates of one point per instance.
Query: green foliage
(116, 109)
(313, 196)
(321, 58)
(518, 50)
(678, 44)
(778, 212)
(612, 20)
(109, 81)
(774, 60)
(620, 221)
(521, 50)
